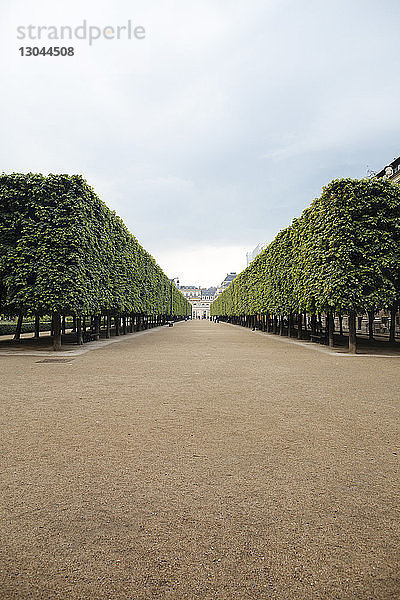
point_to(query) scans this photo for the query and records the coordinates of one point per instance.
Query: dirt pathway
(200, 461)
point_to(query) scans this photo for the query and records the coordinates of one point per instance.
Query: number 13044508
(51, 51)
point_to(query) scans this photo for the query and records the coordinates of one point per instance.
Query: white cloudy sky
(216, 130)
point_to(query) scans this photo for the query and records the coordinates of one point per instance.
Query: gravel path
(199, 461)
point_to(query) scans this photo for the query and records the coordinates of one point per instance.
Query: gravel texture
(199, 461)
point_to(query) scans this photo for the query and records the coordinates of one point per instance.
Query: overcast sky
(218, 128)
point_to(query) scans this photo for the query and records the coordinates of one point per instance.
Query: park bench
(88, 336)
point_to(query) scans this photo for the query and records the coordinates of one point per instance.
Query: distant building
(228, 280)
(225, 283)
(201, 298)
(391, 171)
(190, 291)
(208, 294)
(250, 256)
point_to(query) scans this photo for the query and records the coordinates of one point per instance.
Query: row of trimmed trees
(63, 252)
(341, 257)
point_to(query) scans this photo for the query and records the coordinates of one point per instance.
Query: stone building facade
(202, 298)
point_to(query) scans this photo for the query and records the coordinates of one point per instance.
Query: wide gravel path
(199, 461)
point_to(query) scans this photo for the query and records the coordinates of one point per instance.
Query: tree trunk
(371, 317)
(108, 326)
(320, 328)
(124, 324)
(305, 321)
(63, 326)
(341, 325)
(79, 334)
(331, 328)
(352, 332)
(313, 324)
(17, 334)
(299, 326)
(290, 323)
(281, 325)
(116, 321)
(392, 329)
(96, 323)
(57, 331)
(37, 327)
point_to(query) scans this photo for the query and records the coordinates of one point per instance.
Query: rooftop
(390, 169)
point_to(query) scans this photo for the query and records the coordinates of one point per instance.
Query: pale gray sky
(211, 134)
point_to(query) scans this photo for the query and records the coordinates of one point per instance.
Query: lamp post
(171, 324)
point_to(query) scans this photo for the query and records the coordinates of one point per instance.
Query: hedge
(342, 255)
(28, 327)
(63, 251)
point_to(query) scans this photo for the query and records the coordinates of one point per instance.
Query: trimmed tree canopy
(63, 250)
(342, 254)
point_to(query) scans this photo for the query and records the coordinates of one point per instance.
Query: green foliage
(342, 254)
(62, 249)
(10, 328)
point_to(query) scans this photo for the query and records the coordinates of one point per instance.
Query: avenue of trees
(341, 257)
(64, 253)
